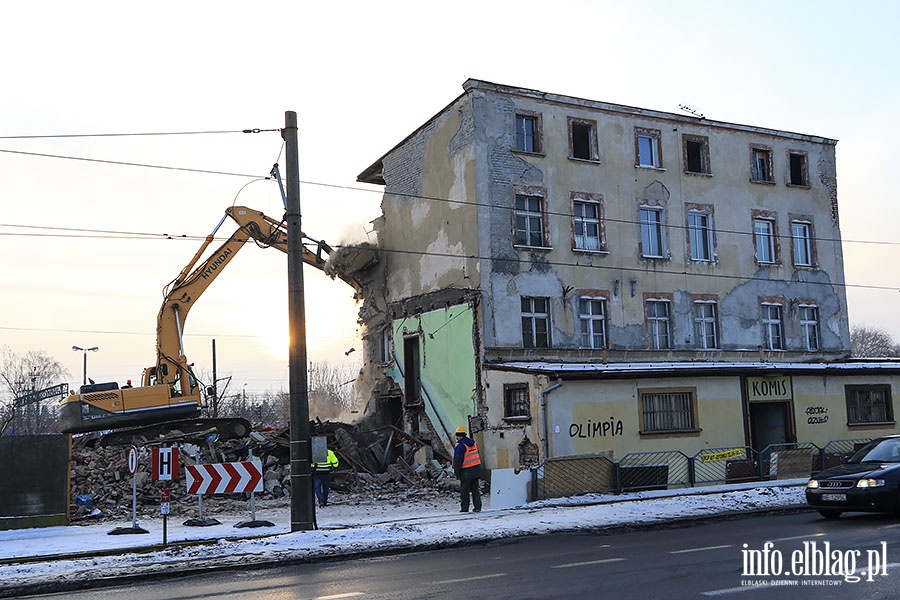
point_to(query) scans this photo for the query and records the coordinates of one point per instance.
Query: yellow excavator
(169, 397)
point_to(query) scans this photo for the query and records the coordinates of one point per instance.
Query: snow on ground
(350, 529)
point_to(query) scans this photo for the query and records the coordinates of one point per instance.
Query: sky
(354, 528)
(87, 246)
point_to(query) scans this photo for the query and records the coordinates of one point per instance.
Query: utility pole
(302, 506)
(215, 384)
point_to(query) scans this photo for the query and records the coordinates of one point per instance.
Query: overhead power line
(128, 164)
(360, 189)
(146, 133)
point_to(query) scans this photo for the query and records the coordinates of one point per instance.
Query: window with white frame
(809, 325)
(664, 411)
(867, 404)
(535, 322)
(652, 234)
(586, 223)
(801, 236)
(529, 221)
(773, 326)
(647, 147)
(761, 163)
(659, 326)
(706, 324)
(583, 139)
(516, 403)
(528, 133)
(592, 315)
(764, 238)
(700, 239)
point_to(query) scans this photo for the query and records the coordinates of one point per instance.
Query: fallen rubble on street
(375, 465)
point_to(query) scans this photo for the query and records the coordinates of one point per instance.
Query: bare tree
(331, 396)
(869, 342)
(23, 373)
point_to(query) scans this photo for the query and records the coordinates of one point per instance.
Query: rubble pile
(378, 465)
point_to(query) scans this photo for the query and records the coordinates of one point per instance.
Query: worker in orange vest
(468, 469)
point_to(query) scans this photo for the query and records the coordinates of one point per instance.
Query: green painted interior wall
(447, 359)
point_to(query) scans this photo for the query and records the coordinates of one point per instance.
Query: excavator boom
(169, 390)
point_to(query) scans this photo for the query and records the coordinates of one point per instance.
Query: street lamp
(85, 350)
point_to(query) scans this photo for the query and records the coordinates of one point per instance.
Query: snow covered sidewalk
(347, 530)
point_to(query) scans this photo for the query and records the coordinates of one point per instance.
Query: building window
(764, 238)
(696, 154)
(706, 324)
(529, 221)
(801, 236)
(761, 163)
(592, 314)
(809, 324)
(659, 328)
(773, 327)
(700, 238)
(652, 237)
(867, 404)
(586, 223)
(646, 143)
(535, 322)
(516, 403)
(528, 132)
(798, 169)
(386, 353)
(583, 139)
(668, 411)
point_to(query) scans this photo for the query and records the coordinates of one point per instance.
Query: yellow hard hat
(460, 430)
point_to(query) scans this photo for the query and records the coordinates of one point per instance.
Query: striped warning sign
(224, 478)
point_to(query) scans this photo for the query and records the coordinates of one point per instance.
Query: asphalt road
(772, 557)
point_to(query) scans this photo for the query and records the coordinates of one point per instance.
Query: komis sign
(761, 389)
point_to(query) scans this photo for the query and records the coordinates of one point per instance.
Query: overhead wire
(107, 234)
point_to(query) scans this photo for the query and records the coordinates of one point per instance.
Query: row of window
(588, 230)
(675, 410)
(659, 323)
(648, 149)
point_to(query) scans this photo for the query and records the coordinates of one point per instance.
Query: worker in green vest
(322, 477)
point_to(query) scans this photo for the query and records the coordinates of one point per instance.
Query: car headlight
(869, 483)
(813, 483)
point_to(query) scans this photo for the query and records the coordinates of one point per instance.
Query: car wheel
(830, 513)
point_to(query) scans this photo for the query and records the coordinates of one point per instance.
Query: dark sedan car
(868, 482)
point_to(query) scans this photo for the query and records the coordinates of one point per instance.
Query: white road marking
(492, 576)
(797, 537)
(701, 549)
(337, 596)
(584, 564)
(735, 590)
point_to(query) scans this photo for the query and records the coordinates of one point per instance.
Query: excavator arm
(182, 293)
(169, 390)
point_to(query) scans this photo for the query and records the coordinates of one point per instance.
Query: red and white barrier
(224, 478)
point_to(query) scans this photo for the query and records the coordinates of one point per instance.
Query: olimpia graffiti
(592, 429)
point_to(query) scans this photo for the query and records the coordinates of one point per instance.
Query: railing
(573, 475)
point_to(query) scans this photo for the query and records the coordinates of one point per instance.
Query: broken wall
(446, 361)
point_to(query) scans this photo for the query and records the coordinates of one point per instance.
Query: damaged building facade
(573, 277)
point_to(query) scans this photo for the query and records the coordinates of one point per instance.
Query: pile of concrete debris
(374, 465)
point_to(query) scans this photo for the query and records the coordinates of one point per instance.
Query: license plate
(834, 497)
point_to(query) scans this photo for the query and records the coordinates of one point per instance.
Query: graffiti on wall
(592, 429)
(816, 415)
